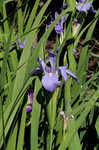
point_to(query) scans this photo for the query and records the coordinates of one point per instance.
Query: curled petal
(50, 81)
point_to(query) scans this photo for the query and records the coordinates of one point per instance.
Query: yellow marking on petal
(50, 73)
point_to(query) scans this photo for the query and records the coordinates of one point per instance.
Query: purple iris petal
(52, 58)
(62, 71)
(74, 51)
(59, 28)
(72, 75)
(43, 65)
(28, 108)
(50, 81)
(93, 10)
(63, 19)
(56, 14)
(31, 95)
(64, 6)
(33, 46)
(84, 7)
(82, 1)
(21, 45)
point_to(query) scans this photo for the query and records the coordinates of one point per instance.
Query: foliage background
(43, 128)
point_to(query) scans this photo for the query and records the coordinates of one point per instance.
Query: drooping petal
(93, 10)
(52, 58)
(84, 7)
(72, 75)
(28, 108)
(50, 81)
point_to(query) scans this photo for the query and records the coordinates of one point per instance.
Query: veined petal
(52, 58)
(50, 81)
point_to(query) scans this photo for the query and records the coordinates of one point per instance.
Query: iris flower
(50, 79)
(84, 6)
(29, 105)
(21, 45)
(59, 25)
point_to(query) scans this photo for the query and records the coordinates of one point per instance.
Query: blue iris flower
(50, 80)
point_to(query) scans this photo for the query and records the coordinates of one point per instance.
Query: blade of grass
(32, 15)
(36, 108)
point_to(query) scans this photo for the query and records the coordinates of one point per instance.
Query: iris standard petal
(50, 81)
(43, 65)
(52, 58)
(72, 75)
(62, 71)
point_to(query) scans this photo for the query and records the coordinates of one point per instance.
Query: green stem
(51, 136)
(3, 124)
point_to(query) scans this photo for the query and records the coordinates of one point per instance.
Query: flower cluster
(50, 79)
(59, 26)
(84, 6)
